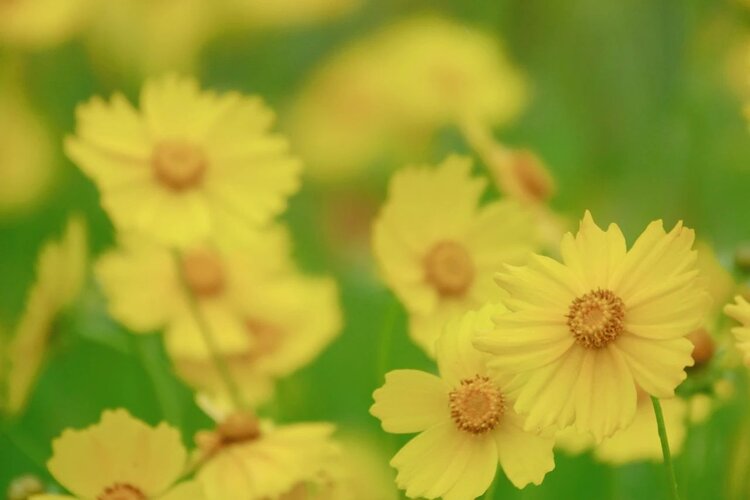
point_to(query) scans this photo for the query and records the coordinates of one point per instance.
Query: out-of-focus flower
(438, 249)
(61, 271)
(279, 13)
(24, 487)
(41, 24)
(386, 95)
(583, 333)
(26, 153)
(465, 418)
(121, 458)
(245, 458)
(147, 37)
(740, 311)
(191, 165)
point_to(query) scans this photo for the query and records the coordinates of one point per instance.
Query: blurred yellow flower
(465, 418)
(121, 458)
(27, 161)
(438, 248)
(61, 272)
(41, 24)
(740, 311)
(261, 13)
(191, 165)
(582, 333)
(246, 458)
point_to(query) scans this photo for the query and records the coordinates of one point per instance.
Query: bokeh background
(635, 106)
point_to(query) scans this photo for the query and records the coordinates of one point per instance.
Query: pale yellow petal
(658, 366)
(410, 401)
(525, 457)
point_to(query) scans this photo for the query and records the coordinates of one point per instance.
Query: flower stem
(668, 465)
(385, 339)
(219, 362)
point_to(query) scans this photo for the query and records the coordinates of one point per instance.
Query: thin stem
(385, 339)
(163, 387)
(219, 362)
(668, 465)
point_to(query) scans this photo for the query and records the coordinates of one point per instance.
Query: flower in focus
(61, 272)
(41, 24)
(191, 165)
(438, 249)
(245, 458)
(27, 162)
(465, 420)
(740, 311)
(121, 458)
(583, 332)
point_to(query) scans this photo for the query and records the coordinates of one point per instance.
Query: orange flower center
(178, 165)
(531, 175)
(597, 318)
(476, 405)
(121, 491)
(448, 268)
(204, 273)
(267, 337)
(239, 427)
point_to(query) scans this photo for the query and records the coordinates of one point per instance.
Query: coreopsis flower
(121, 458)
(27, 162)
(289, 318)
(41, 24)
(61, 272)
(438, 248)
(465, 420)
(246, 458)
(190, 165)
(740, 311)
(24, 487)
(583, 332)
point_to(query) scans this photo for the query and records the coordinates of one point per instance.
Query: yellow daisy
(740, 311)
(246, 458)
(190, 165)
(582, 333)
(438, 248)
(465, 418)
(61, 272)
(121, 458)
(41, 24)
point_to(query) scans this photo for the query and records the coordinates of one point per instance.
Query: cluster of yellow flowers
(574, 350)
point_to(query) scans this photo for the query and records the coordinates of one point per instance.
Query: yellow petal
(524, 456)
(410, 401)
(658, 366)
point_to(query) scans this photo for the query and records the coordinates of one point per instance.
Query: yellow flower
(740, 311)
(286, 12)
(41, 24)
(61, 271)
(27, 162)
(582, 333)
(121, 458)
(246, 458)
(192, 165)
(437, 248)
(290, 319)
(465, 418)
(146, 37)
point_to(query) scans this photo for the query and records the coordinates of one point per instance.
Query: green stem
(668, 465)
(163, 387)
(23, 444)
(385, 339)
(219, 363)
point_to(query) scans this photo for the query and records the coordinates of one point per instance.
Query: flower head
(583, 332)
(61, 272)
(465, 420)
(41, 24)
(122, 458)
(190, 165)
(740, 311)
(438, 248)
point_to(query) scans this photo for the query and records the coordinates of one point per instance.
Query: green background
(630, 108)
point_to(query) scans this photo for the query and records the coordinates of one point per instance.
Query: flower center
(597, 318)
(178, 165)
(476, 405)
(121, 491)
(531, 176)
(448, 267)
(267, 337)
(204, 273)
(239, 427)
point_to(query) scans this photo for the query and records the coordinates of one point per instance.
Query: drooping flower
(740, 311)
(61, 271)
(246, 458)
(190, 165)
(583, 332)
(121, 458)
(465, 420)
(438, 248)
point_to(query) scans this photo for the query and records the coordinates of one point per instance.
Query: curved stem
(219, 362)
(668, 465)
